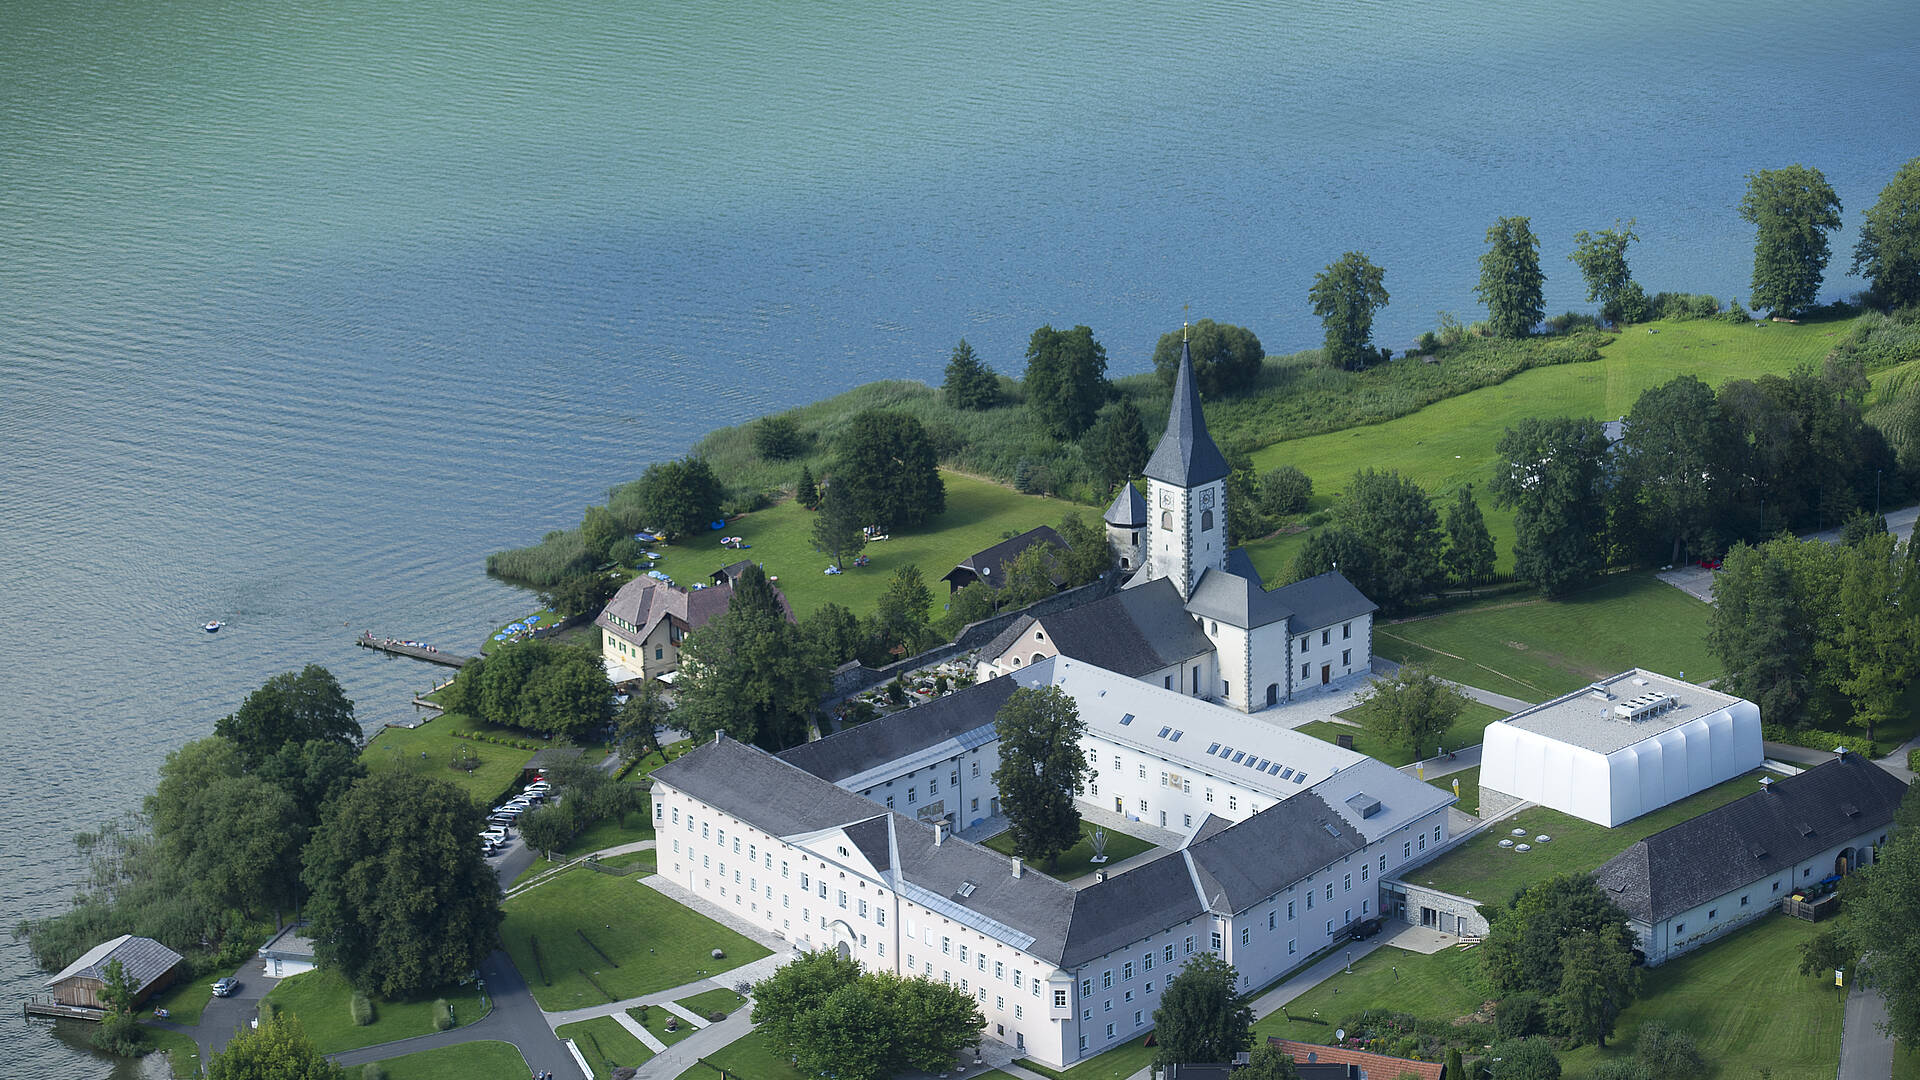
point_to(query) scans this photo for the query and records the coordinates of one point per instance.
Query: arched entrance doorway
(1273, 693)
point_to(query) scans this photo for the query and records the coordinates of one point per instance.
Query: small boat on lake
(213, 627)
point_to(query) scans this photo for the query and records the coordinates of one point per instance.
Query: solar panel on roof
(1127, 719)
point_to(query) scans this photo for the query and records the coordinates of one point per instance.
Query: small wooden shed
(150, 965)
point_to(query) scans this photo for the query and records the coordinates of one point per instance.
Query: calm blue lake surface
(305, 308)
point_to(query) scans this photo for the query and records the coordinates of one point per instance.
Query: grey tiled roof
(1128, 510)
(1256, 858)
(1186, 456)
(1133, 632)
(1794, 819)
(1127, 907)
(757, 787)
(143, 960)
(1323, 599)
(1241, 563)
(1235, 600)
(990, 565)
(857, 749)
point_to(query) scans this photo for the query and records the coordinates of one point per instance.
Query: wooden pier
(49, 1007)
(397, 647)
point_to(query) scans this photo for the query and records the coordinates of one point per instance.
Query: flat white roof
(1192, 732)
(1592, 718)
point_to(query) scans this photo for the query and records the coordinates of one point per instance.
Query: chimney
(1102, 876)
(1018, 867)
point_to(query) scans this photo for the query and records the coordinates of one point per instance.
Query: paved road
(1866, 1053)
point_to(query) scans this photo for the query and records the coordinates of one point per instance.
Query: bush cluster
(361, 1008)
(496, 740)
(442, 1015)
(1814, 739)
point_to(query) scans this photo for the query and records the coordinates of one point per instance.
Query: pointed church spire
(1186, 456)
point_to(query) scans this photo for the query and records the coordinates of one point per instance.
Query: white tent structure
(1622, 747)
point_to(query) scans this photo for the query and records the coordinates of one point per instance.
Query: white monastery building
(1623, 747)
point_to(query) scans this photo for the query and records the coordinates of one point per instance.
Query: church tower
(1186, 492)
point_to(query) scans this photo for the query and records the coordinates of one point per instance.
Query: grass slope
(1536, 649)
(1746, 1003)
(657, 943)
(1451, 442)
(320, 999)
(605, 1044)
(712, 1001)
(1118, 1063)
(463, 1062)
(1469, 790)
(1443, 986)
(1464, 732)
(1485, 871)
(751, 1055)
(781, 539)
(1076, 861)
(433, 746)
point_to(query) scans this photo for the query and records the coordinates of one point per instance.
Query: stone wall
(1452, 914)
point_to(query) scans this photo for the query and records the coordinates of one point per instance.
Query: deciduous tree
(278, 1049)
(1792, 210)
(1553, 477)
(1087, 555)
(1337, 548)
(1226, 358)
(1511, 283)
(1527, 950)
(1345, 295)
(536, 685)
(680, 498)
(900, 617)
(1680, 458)
(1523, 1059)
(1401, 528)
(1285, 491)
(1469, 556)
(637, 723)
(837, 530)
(1066, 379)
(1041, 766)
(888, 471)
(970, 384)
(1883, 909)
(1203, 1016)
(1888, 253)
(1411, 708)
(1597, 982)
(1117, 444)
(777, 437)
(1269, 1062)
(1602, 259)
(403, 901)
(750, 673)
(291, 707)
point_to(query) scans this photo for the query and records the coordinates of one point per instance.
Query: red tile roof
(1372, 1066)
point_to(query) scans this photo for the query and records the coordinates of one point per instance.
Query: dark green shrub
(374, 1071)
(442, 1015)
(361, 1008)
(1285, 491)
(1518, 1015)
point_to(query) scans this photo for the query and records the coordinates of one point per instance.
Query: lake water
(305, 308)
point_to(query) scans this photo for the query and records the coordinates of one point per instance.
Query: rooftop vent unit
(1644, 706)
(1600, 691)
(1363, 804)
(1331, 831)
(966, 889)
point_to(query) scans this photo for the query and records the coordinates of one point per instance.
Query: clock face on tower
(1206, 498)
(1166, 499)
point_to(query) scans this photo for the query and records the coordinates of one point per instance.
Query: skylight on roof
(1176, 736)
(1127, 719)
(1300, 778)
(1331, 831)
(1214, 749)
(1263, 764)
(1165, 730)
(1288, 775)
(966, 889)
(1274, 769)
(1238, 756)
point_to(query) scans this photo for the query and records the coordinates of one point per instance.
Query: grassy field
(463, 1062)
(748, 1056)
(1443, 986)
(657, 943)
(320, 1000)
(712, 1001)
(654, 1019)
(604, 1043)
(432, 747)
(635, 825)
(1451, 442)
(1465, 732)
(977, 514)
(183, 1054)
(1075, 861)
(1536, 649)
(1116, 1064)
(1469, 792)
(1746, 1003)
(184, 1001)
(1482, 869)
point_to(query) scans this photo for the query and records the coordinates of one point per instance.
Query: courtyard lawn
(1450, 442)
(1746, 1003)
(709, 1002)
(605, 1044)
(462, 1062)
(433, 747)
(636, 824)
(1076, 861)
(1465, 732)
(1469, 790)
(1444, 986)
(1480, 868)
(321, 1000)
(654, 1019)
(656, 942)
(1116, 1064)
(781, 540)
(751, 1055)
(1536, 649)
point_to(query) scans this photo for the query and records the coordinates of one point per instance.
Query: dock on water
(415, 649)
(49, 1007)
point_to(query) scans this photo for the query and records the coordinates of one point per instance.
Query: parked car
(1365, 929)
(225, 987)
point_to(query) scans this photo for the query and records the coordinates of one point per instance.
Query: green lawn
(781, 539)
(711, 1001)
(543, 617)
(749, 1056)
(463, 1062)
(184, 1001)
(1451, 442)
(432, 747)
(1465, 732)
(1469, 789)
(1074, 862)
(604, 1043)
(1482, 869)
(654, 1019)
(1443, 986)
(320, 999)
(1536, 649)
(1906, 1063)
(183, 1054)
(657, 942)
(1116, 1064)
(637, 824)
(1746, 1003)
